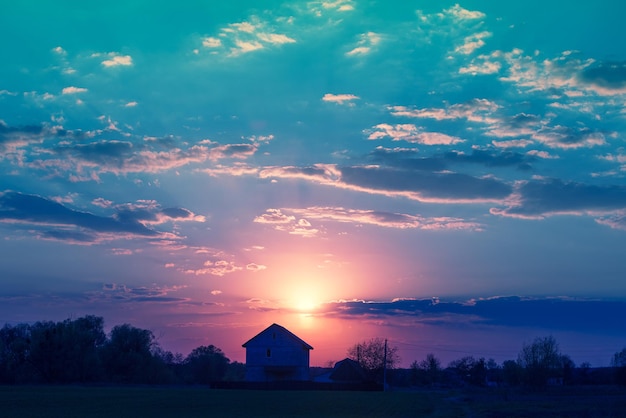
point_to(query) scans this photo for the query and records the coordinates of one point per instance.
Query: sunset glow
(447, 175)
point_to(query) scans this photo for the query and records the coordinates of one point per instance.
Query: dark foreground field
(70, 401)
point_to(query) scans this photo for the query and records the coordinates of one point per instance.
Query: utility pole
(385, 368)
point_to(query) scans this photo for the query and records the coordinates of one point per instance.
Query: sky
(449, 176)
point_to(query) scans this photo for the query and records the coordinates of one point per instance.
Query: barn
(348, 371)
(276, 354)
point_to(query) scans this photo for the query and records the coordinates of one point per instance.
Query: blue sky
(432, 172)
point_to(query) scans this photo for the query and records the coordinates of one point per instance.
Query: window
(268, 353)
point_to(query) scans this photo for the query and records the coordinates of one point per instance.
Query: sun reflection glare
(305, 303)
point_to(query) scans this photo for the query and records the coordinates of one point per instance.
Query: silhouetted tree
(236, 372)
(512, 373)
(567, 366)
(584, 373)
(427, 371)
(370, 355)
(169, 358)
(46, 350)
(206, 364)
(540, 360)
(619, 363)
(494, 372)
(14, 350)
(78, 351)
(67, 351)
(128, 356)
(470, 370)
(171, 365)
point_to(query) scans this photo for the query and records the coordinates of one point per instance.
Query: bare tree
(427, 371)
(541, 360)
(470, 370)
(619, 364)
(370, 354)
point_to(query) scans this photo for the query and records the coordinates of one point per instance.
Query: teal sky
(431, 172)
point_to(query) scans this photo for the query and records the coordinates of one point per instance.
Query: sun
(305, 303)
(304, 298)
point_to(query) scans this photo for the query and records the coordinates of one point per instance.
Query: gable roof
(282, 330)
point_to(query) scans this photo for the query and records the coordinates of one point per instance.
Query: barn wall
(288, 359)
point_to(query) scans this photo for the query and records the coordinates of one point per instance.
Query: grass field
(181, 402)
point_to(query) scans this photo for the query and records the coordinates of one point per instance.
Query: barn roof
(282, 330)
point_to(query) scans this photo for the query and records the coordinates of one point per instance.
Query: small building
(348, 371)
(345, 372)
(276, 354)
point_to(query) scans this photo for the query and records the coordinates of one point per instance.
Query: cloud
(546, 313)
(59, 50)
(244, 37)
(566, 137)
(13, 138)
(236, 169)
(261, 305)
(287, 223)
(614, 221)
(275, 39)
(472, 43)
(538, 199)
(455, 14)
(521, 124)
(475, 110)
(455, 30)
(274, 217)
(382, 218)
(218, 268)
(542, 154)
(411, 133)
(243, 47)
(116, 60)
(318, 173)
(319, 7)
(123, 293)
(339, 5)
(402, 179)
(211, 42)
(530, 127)
(491, 159)
(260, 138)
(460, 14)
(408, 159)
(73, 90)
(423, 186)
(566, 74)
(178, 214)
(484, 68)
(369, 217)
(366, 43)
(89, 160)
(606, 78)
(616, 158)
(255, 267)
(53, 220)
(340, 98)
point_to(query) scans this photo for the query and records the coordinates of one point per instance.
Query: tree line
(539, 364)
(79, 351)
